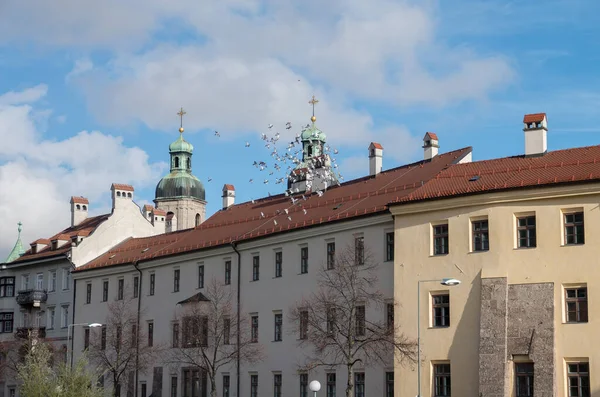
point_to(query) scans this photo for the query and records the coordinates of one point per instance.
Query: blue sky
(89, 92)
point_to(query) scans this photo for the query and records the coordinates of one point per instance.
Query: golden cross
(313, 102)
(180, 114)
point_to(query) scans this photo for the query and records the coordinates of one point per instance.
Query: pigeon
(209, 179)
(270, 125)
(286, 211)
(247, 144)
(289, 218)
(251, 180)
(304, 210)
(335, 151)
(253, 201)
(217, 134)
(320, 193)
(262, 215)
(266, 181)
(275, 222)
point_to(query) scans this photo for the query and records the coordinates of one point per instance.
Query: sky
(89, 91)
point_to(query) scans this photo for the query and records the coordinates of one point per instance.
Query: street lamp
(314, 386)
(448, 282)
(91, 325)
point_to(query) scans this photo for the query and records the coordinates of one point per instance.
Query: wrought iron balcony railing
(33, 297)
(25, 332)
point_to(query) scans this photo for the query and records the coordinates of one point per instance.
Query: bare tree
(333, 323)
(113, 348)
(205, 334)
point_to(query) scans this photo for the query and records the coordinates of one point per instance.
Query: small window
(360, 321)
(440, 240)
(576, 305)
(227, 272)
(226, 330)
(277, 336)
(303, 260)
(86, 338)
(88, 293)
(253, 385)
(152, 283)
(150, 333)
(51, 313)
(330, 255)
(526, 234)
(176, 162)
(389, 384)
(78, 206)
(6, 322)
(255, 268)
(481, 240)
(303, 385)
(524, 379)
(175, 335)
(359, 384)
(574, 230)
(200, 276)
(176, 274)
(276, 385)
(441, 380)
(278, 264)
(105, 291)
(578, 375)
(118, 194)
(359, 250)
(389, 246)
(120, 288)
(331, 380)
(198, 220)
(226, 385)
(389, 308)
(52, 281)
(254, 329)
(441, 310)
(66, 278)
(7, 287)
(103, 338)
(136, 286)
(303, 324)
(129, 195)
(174, 386)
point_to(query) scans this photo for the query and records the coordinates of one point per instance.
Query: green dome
(180, 184)
(181, 145)
(313, 133)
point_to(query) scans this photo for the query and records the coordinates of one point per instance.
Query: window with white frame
(64, 316)
(52, 281)
(39, 281)
(25, 282)
(51, 313)
(66, 278)
(7, 287)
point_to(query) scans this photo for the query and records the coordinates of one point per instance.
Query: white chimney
(147, 211)
(375, 158)
(79, 210)
(228, 196)
(536, 130)
(158, 218)
(120, 194)
(430, 145)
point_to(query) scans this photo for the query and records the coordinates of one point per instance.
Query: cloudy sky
(89, 91)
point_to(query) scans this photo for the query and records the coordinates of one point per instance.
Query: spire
(313, 102)
(18, 249)
(181, 113)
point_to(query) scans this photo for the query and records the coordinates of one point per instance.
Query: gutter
(239, 283)
(137, 336)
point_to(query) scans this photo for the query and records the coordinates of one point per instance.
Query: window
(64, 322)
(88, 293)
(303, 260)
(253, 385)
(278, 327)
(175, 335)
(389, 246)
(39, 281)
(86, 338)
(303, 324)
(481, 240)
(576, 305)
(174, 386)
(389, 308)
(360, 321)
(303, 385)
(226, 385)
(52, 281)
(359, 250)
(103, 338)
(276, 385)
(7, 287)
(105, 291)
(331, 384)
(120, 287)
(6, 322)
(578, 375)
(254, 329)
(152, 283)
(441, 310)
(143, 390)
(440, 240)
(574, 231)
(331, 320)
(118, 337)
(278, 263)
(51, 312)
(359, 384)
(389, 384)
(524, 379)
(226, 330)
(150, 333)
(227, 272)
(25, 282)
(441, 380)
(134, 335)
(330, 255)
(136, 286)
(526, 236)
(200, 276)
(66, 278)
(194, 382)
(176, 280)
(195, 331)
(255, 267)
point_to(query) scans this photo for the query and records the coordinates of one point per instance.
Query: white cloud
(81, 66)
(28, 95)
(38, 176)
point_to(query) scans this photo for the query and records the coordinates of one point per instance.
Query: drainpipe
(239, 283)
(137, 337)
(72, 341)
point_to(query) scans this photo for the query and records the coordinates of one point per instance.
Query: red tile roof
(79, 200)
(432, 135)
(148, 207)
(121, 186)
(41, 241)
(557, 167)
(228, 187)
(276, 214)
(377, 145)
(157, 211)
(534, 118)
(64, 237)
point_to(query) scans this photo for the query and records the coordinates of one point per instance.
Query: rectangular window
(200, 276)
(440, 240)
(389, 308)
(226, 330)
(226, 385)
(278, 264)
(303, 260)
(389, 246)
(176, 274)
(150, 333)
(143, 390)
(574, 230)
(103, 338)
(66, 278)
(578, 379)
(86, 338)
(134, 335)
(330, 255)
(255, 268)
(331, 320)
(195, 331)
(118, 337)
(120, 288)
(441, 380)
(227, 272)
(254, 329)
(7, 287)
(359, 384)
(303, 385)
(576, 305)
(51, 313)
(389, 384)
(276, 385)
(104, 291)
(331, 384)
(481, 235)
(278, 327)
(175, 336)
(52, 281)
(152, 283)
(136, 286)
(524, 379)
(64, 316)
(25, 282)
(253, 385)
(526, 236)
(39, 281)
(174, 386)
(88, 293)
(6, 322)
(303, 324)
(441, 310)
(360, 321)
(359, 250)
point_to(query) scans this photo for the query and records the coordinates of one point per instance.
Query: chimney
(228, 196)
(147, 211)
(430, 145)
(536, 129)
(158, 217)
(79, 210)
(375, 158)
(121, 194)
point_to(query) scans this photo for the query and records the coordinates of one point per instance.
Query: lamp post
(91, 325)
(449, 282)
(314, 386)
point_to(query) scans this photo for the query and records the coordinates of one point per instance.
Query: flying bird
(209, 179)
(270, 126)
(217, 134)
(247, 144)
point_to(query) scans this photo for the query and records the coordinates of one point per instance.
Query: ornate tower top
(313, 102)
(18, 249)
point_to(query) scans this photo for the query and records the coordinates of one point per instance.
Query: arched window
(78, 206)
(85, 207)
(118, 194)
(176, 162)
(189, 163)
(129, 195)
(197, 219)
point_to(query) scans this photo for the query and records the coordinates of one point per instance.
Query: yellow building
(520, 233)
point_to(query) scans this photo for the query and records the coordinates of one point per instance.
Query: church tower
(180, 194)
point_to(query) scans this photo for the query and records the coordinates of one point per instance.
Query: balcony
(24, 332)
(32, 297)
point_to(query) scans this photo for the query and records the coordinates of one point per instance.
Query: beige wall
(550, 261)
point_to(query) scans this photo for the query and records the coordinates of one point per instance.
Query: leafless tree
(333, 324)
(113, 347)
(205, 334)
